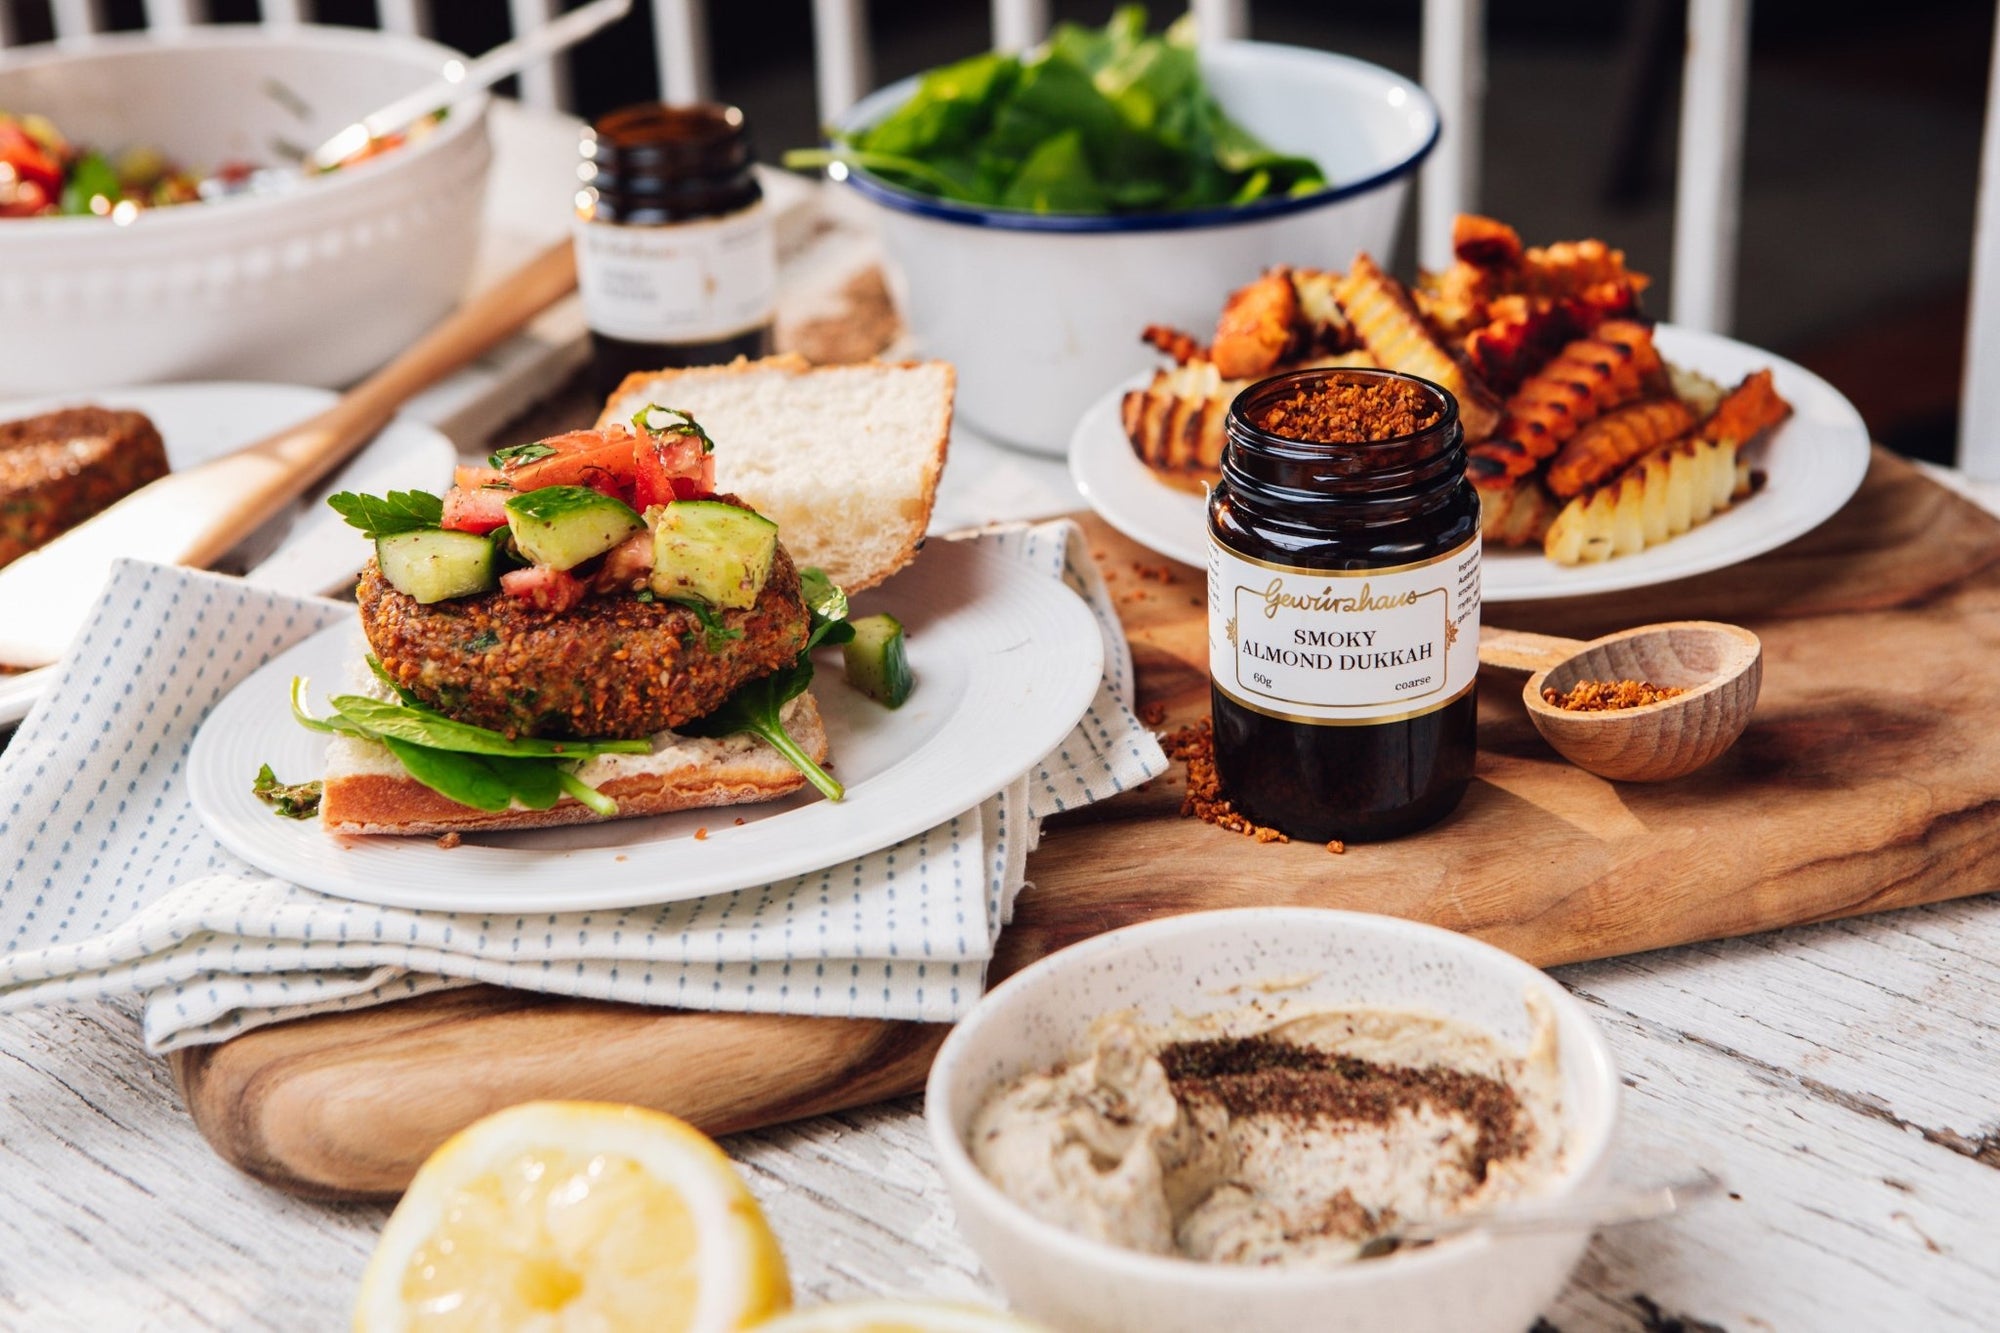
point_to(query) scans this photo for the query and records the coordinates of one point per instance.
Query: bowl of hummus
(1223, 1119)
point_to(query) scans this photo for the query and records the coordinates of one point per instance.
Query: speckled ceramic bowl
(1200, 963)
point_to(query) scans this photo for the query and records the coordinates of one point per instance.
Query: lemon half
(897, 1317)
(574, 1215)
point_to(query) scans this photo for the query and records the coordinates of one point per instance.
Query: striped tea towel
(113, 886)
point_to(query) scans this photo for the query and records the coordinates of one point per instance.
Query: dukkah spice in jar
(1343, 605)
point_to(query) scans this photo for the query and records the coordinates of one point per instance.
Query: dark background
(1861, 160)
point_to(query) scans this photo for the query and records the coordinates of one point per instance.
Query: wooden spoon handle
(1515, 650)
(309, 450)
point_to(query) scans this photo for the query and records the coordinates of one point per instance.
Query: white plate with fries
(1811, 466)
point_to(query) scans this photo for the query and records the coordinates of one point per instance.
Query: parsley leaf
(714, 632)
(515, 454)
(293, 800)
(387, 515)
(646, 420)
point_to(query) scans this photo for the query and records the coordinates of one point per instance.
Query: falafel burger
(585, 628)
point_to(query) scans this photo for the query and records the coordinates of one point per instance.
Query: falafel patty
(612, 667)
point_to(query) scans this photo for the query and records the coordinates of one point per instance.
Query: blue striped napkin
(115, 888)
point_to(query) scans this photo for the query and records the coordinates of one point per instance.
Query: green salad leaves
(1094, 121)
(474, 766)
(756, 707)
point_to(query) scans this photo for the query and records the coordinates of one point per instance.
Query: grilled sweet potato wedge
(1386, 321)
(1747, 411)
(1259, 322)
(1604, 447)
(1587, 378)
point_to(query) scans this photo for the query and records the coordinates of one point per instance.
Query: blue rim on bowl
(879, 103)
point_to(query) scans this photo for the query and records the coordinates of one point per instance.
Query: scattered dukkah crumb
(1346, 412)
(1194, 601)
(1154, 573)
(1337, 847)
(1195, 747)
(1600, 696)
(701, 833)
(1152, 712)
(449, 840)
(740, 821)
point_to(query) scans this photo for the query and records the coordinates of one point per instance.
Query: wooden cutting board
(1869, 779)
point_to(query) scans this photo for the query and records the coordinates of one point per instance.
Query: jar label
(1343, 647)
(681, 282)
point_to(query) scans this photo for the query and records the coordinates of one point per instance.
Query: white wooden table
(1842, 1078)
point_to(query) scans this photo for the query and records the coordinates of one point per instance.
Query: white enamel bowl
(316, 286)
(1040, 312)
(1190, 965)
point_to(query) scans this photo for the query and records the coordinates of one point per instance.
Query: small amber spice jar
(1343, 605)
(677, 259)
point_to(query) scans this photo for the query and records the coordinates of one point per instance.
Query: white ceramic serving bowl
(1042, 313)
(315, 286)
(1189, 965)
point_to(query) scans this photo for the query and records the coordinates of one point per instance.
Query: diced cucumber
(433, 564)
(563, 526)
(875, 661)
(715, 552)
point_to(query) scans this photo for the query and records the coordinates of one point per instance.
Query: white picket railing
(1707, 196)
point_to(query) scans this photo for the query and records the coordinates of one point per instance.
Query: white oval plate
(1006, 660)
(308, 550)
(1813, 463)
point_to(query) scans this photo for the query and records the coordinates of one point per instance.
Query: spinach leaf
(464, 778)
(387, 515)
(293, 800)
(715, 633)
(1056, 178)
(520, 453)
(756, 708)
(1096, 120)
(432, 730)
(471, 765)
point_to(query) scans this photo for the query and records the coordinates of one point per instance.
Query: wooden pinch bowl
(1720, 666)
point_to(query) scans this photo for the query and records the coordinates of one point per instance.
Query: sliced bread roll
(366, 790)
(845, 459)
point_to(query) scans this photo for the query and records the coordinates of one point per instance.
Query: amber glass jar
(1343, 605)
(676, 257)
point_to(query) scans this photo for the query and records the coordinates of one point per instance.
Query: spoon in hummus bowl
(1611, 1208)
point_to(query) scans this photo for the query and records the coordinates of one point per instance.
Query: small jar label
(1343, 647)
(682, 282)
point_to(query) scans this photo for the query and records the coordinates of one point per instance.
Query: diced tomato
(626, 566)
(34, 176)
(477, 509)
(554, 590)
(603, 460)
(472, 477)
(673, 467)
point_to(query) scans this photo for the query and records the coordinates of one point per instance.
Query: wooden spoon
(1720, 666)
(195, 515)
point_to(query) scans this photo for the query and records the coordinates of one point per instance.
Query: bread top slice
(844, 459)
